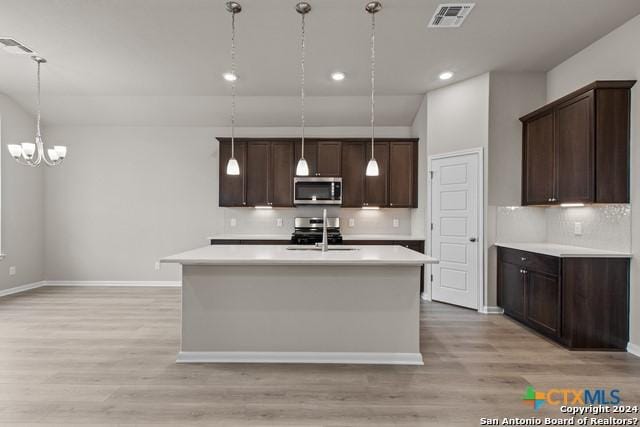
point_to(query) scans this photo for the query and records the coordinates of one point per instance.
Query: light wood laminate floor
(105, 356)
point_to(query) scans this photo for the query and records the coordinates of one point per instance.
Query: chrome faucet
(325, 240)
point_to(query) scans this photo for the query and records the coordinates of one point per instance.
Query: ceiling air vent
(450, 15)
(13, 46)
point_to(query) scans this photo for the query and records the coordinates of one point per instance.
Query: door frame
(481, 279)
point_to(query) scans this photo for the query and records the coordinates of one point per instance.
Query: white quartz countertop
(280, 255)
(345, 237)
(564, 251)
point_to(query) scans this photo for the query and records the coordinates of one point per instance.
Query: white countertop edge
(563, 251)
(345, 262)
(345, 237)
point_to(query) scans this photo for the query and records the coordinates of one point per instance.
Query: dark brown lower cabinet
(416, 245)
(582, 303)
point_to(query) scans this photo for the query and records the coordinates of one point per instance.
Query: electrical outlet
(577, 228)
(233, 222)
(157, 265)
(396, 223)
(279, 222)
(352, 222)
(12, 270)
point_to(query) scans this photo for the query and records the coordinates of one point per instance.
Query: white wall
(127, 196)
(511, 95)
(612, 57)
(22, 203)
(452, 118)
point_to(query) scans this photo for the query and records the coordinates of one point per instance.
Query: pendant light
(302, 169)
(233, 168)
(33, 153)
(373, 7)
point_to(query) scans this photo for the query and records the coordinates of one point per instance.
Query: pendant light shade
(372, 8)
(302, 169)
(233, 167)
(372, 168)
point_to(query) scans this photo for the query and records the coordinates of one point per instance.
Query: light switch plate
(233, 222)
(12, 270)
(157, 265)
(577, 228)
(279, 222)
(352, 222)
(396, 223)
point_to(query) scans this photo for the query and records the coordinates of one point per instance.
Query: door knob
(472, 239)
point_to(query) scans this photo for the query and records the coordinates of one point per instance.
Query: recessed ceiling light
(338, 76)
(230, 77)
(446, 75)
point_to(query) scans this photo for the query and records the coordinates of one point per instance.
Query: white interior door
(456, 240)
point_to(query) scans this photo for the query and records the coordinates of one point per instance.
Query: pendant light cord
(373, 80)
(38, 135)
(233, 82)
(302, 49)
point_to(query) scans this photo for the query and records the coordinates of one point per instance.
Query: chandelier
(33, 153)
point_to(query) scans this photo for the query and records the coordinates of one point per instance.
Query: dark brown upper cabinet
(232, 187)
(258, 171)
(323, 157)
(538, 182)
(576, 149)
(403, 179)
(267, 168)
(376, 188)
(266, 174)
(281, 177)
(353, 158)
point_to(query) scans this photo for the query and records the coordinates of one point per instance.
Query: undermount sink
(336, 248)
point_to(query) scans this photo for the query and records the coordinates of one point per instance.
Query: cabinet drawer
(532, 261)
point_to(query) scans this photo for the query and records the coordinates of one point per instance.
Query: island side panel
(254, 308)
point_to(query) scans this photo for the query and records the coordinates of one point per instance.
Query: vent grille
(450, 15)
(13, 46)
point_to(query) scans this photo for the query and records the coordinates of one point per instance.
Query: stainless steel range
(308, 231)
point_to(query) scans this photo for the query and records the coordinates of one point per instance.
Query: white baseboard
(633, 349)
(299, 357)
(112, 283)
(489, 309)
(29, 286)
(21, 288)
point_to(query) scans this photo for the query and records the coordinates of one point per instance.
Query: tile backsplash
(605, 227)
(520, 224)
(265, 221)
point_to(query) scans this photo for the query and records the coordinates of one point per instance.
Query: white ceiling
(164, 58)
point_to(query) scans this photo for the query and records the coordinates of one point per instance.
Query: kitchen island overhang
(276, 304)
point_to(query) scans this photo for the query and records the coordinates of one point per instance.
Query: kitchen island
(291, 304)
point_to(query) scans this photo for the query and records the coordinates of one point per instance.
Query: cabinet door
(232, 187)
(281, 177)
(402, 175)
(376, 187)
(328, 158)
(543, 302)
(310, 154)
(353, 157)
(575, 148)
(538, 161)
(511, 286)
(258, 161)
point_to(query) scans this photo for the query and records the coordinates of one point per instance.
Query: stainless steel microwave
(313, 190)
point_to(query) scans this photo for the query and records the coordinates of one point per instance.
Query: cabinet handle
(472, 239)
(390, 204)
(523, 259)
